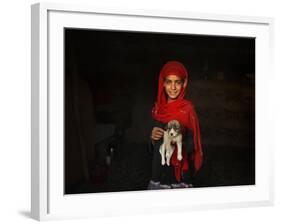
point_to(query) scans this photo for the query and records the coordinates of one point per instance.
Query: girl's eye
(178, 82)
(168, 82)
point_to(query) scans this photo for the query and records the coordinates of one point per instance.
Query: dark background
(111, 83)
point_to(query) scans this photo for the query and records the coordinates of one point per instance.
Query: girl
(171, 105)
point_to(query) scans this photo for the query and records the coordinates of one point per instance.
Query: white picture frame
(48, 201)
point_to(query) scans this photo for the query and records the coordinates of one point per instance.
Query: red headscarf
(181, 110)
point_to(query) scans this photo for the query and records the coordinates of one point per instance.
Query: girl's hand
(156, 134)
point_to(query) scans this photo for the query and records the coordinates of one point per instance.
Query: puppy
(172, 136)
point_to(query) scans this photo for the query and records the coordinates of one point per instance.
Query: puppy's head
(173, 128)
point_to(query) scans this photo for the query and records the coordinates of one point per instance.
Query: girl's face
(173, 86)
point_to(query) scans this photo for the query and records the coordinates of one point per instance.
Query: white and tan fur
(172, 135)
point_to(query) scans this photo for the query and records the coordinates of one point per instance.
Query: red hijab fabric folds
(181, 110)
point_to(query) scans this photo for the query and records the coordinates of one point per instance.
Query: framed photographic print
(110, 88)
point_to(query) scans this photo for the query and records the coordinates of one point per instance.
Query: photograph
(155, 111)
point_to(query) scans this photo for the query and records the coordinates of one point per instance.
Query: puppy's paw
(179, 157)
(163, 162)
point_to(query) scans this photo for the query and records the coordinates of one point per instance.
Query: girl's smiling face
(173, 86)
